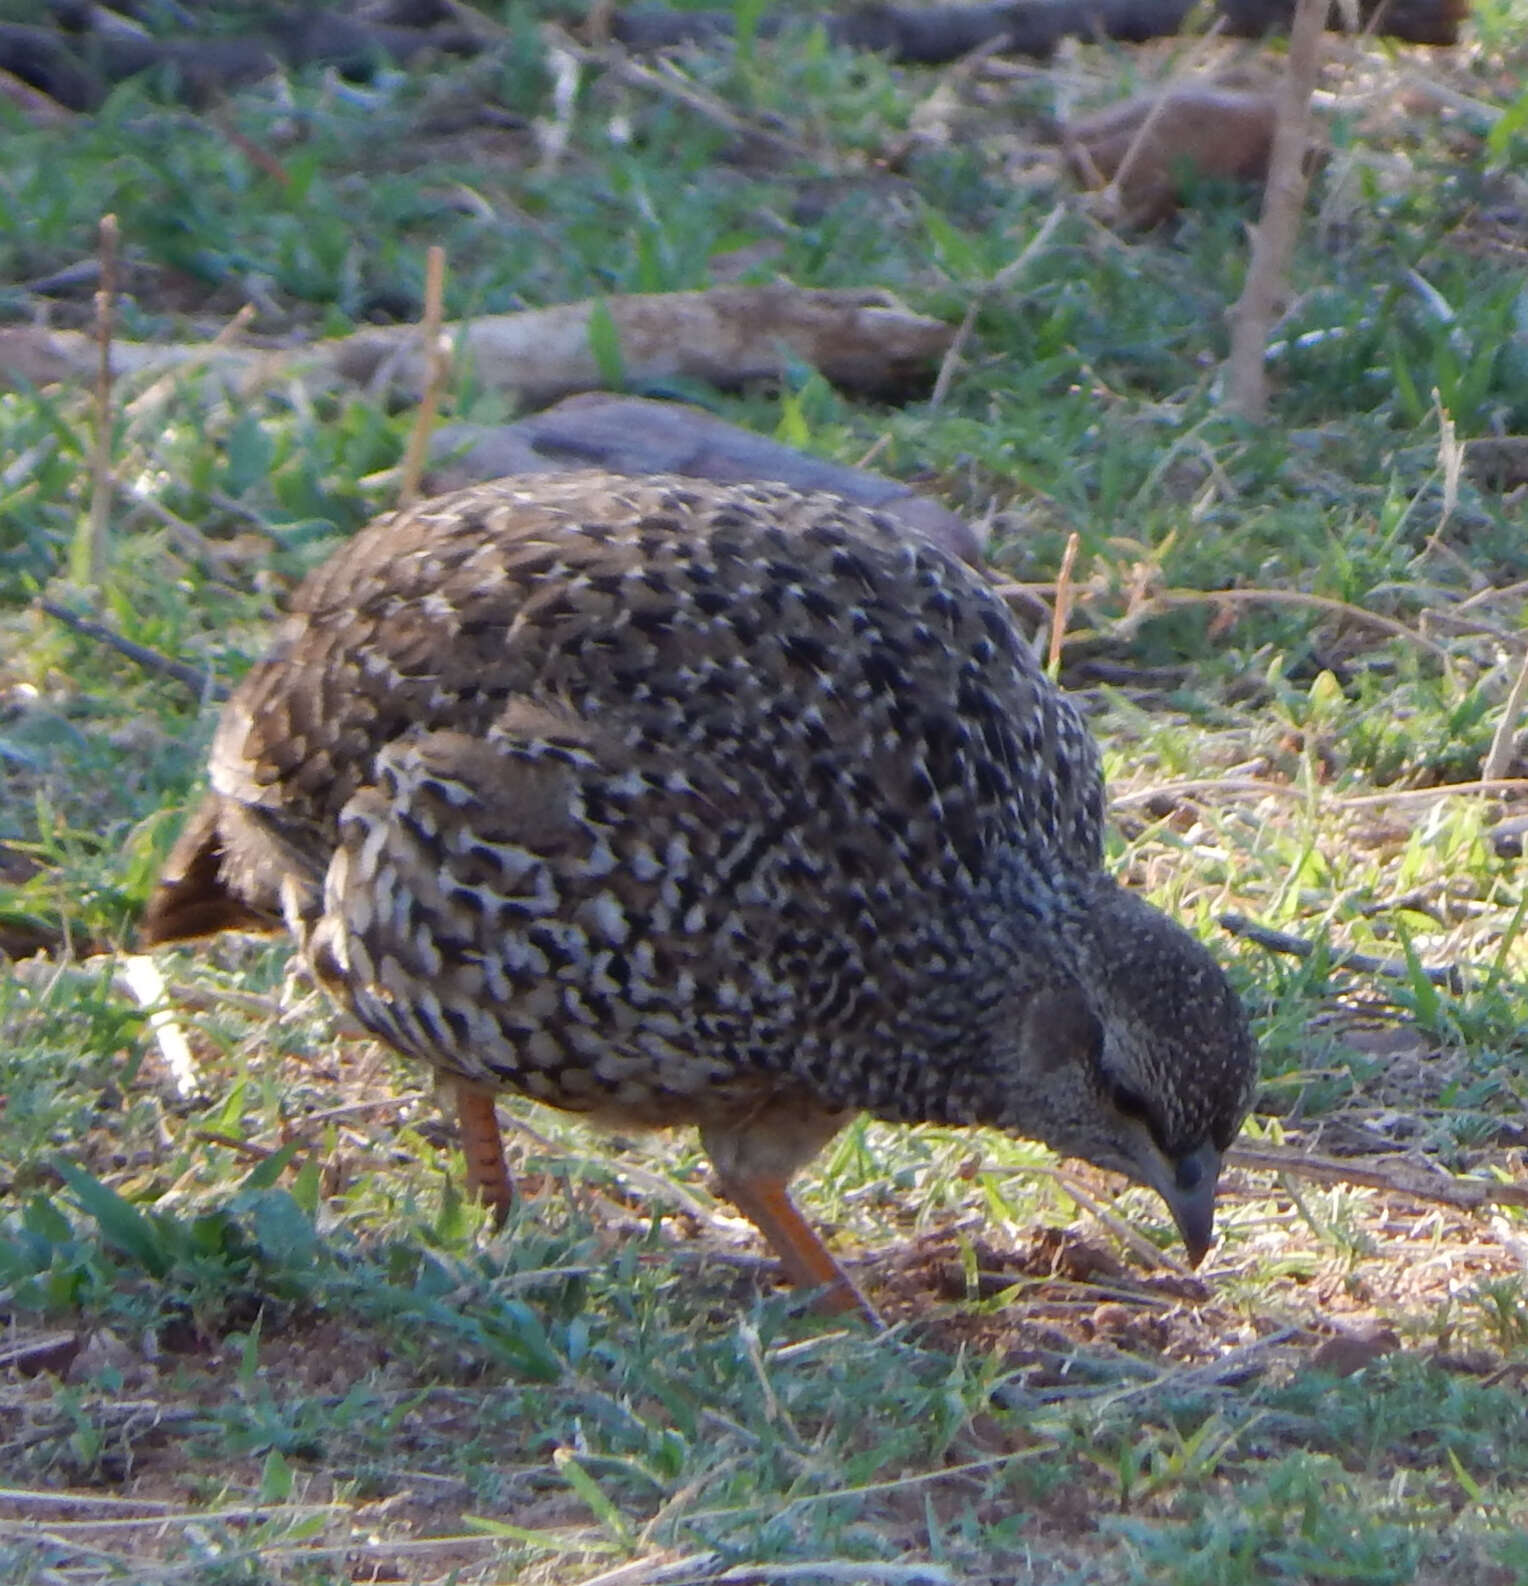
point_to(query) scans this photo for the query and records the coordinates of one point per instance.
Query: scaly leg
(807, 1261)
(754, 1151)
(477, 1123)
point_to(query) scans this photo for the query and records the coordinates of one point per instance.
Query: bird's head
(1138, 1057)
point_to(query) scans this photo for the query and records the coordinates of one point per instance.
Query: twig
(1017, 266)
(261, 159)
(671, 86)
(153, 395)
(1398, 79)
(1254, 787)
(1360, 963)
(146, 985)
(1236, 1365)
(1463, 1194)
(956, 350)
(1063, 608)
(1503, 740)
(162, 1514)
(1109, 199)
(1155, 605)
(198, 682)
(854, 1572)
(1004, 277)
(190, 539)
(1273, 238)
(659, 1570)
(54, 1499)
(435, 360)
(1431, 795)
(1225, 787)
(1151, 1254)
(244, 1148)
(351, 1109)
(90, 558)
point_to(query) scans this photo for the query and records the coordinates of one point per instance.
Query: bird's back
(617, 790)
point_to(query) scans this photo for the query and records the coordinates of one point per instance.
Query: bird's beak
(1188, 1186)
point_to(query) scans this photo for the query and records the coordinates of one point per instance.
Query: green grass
(283, 1349)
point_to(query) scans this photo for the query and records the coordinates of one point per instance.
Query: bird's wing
(527, 907)
(799, 657)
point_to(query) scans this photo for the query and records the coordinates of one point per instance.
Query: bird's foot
(807, 1261)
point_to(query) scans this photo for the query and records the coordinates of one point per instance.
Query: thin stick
(1360, 963)
(90, 559)
(1432, 795)
(1250, 787)
(956, 351)
(1004, 277)
(1224, 787)
(198, 682)
(1063, 604)
(1503, 740)
(244, 1148)
(1273, 238)
(1464, 1194)
(671, 84)
(1122, 1230)
(1156, 604)
(435, 354)
(1254, 787)
(155, 394)
(146, 984)
(188, 538)
(1110, 197)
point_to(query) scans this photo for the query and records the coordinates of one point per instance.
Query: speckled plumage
(673, 802)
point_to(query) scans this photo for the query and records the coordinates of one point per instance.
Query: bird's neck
(1018, 929)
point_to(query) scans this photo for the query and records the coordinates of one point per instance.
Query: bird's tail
(193, 897)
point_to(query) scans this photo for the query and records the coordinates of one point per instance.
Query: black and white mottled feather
(674, 802)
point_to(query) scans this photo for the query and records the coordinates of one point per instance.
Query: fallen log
(930, 35)
(1171, 139)
(864, 342)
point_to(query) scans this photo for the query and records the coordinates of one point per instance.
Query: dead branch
(1273, 238)
(1464, 1194)
(435, 352)
(862, 340)
(197, 681)
(931, 35)
(1063, 608)
(90, 568)
(1001, 280)
(1504, 740)
(1155, 605)
(1448, 975)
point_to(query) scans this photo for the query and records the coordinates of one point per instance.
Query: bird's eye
(1130, 1103)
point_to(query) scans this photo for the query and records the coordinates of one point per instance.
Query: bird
(670, 802)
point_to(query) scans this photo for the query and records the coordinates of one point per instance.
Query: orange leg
(483, 1147)
(807, 1261)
